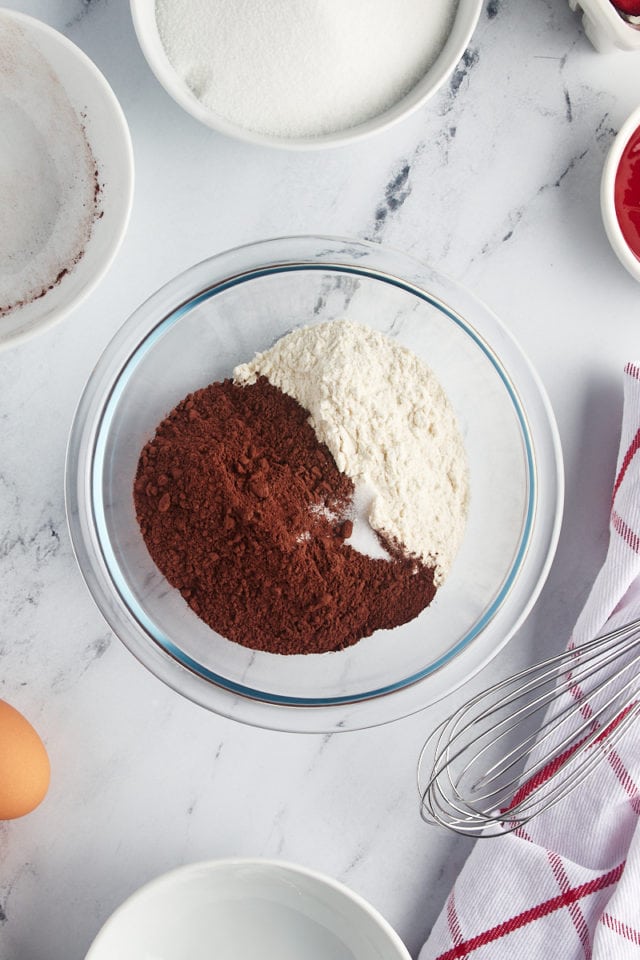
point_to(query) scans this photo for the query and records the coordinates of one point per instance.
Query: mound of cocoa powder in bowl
(245, 512)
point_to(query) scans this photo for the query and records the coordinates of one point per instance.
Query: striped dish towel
(568, 884)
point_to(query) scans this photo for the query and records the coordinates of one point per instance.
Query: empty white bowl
(465, 18)
(237, 909)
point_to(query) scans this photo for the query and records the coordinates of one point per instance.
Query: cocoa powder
(245, 512)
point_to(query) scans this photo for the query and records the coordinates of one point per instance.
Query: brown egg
(24, 765)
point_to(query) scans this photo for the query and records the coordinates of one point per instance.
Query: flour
(389, 425)
(47, 174)
(298, 68)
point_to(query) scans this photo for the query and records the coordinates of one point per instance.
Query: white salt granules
(389, 425)
(48, 174)
(302, 68)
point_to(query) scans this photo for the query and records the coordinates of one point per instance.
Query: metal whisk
(522, 745)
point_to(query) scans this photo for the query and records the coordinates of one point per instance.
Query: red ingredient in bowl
(627, 193)
(245, 512)
(630, 7)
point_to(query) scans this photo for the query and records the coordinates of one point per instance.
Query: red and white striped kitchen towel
(568, 884)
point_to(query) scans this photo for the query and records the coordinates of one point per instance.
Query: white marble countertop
(494, 182)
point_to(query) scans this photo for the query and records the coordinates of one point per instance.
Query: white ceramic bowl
(107, 134)
(232, 909)
(465, 20)
(607, 196)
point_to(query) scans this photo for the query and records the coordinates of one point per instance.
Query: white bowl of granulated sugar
(66, 176)
(303, 74)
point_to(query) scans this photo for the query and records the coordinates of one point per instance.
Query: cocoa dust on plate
(50, 194)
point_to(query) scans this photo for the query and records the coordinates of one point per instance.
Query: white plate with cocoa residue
(66, 176)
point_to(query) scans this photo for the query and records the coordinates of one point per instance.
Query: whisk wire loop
(587, 698)
(550, 726)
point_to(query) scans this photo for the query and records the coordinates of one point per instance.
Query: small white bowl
(620, 246)
(464, 23)
(107, 134)
(236, 908)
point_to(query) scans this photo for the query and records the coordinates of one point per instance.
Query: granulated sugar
(298, 68)
(389, 425)
(48, 176)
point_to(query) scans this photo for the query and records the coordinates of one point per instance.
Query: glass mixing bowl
(220, 313)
